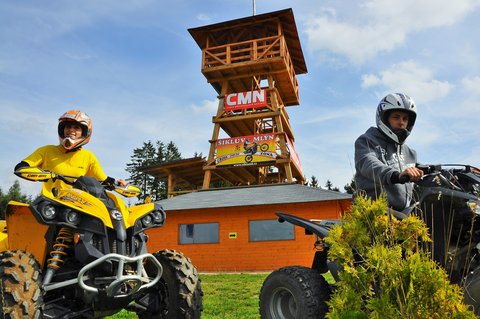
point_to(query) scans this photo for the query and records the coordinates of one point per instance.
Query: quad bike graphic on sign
(251, 148)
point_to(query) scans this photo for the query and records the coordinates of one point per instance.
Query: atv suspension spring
(62, 243)
(113, 247)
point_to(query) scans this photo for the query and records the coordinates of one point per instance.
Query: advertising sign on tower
(246, 150)
(245, 100)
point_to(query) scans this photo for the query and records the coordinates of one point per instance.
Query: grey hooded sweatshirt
(378, 163)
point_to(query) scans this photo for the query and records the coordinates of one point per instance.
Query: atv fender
(24, 231)
(3, 235)
(312, 227)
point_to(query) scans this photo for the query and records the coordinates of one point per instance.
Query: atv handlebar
(452, 176)
(36, 174)
(427, 169)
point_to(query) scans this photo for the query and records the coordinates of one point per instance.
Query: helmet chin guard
(68, 143)
(401, 134)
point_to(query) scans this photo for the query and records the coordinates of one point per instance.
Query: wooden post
(170, 185)
(215, 134)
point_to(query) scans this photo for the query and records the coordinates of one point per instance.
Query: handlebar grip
(404, 179)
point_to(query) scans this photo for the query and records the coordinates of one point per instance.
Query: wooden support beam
(215, 134)
(206, 179)
(170, 185)
(250, 116)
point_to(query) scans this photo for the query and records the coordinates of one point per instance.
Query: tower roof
(217, 32)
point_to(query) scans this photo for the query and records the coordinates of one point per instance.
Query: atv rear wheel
(178, 295)
(20, 285)
(294, 292)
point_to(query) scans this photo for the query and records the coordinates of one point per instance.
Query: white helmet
(396, 102)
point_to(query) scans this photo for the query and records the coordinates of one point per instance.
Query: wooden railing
(249, 51)
(245, 51)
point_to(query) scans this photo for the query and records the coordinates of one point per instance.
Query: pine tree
(314, 182)
(144, 156)
(14, 193)
(350, 188)
(172, 153)
(165, 153)
(149, 155)
(329, 185)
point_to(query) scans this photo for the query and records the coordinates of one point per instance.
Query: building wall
(240, 254)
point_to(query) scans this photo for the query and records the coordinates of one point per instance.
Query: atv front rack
(124, 283)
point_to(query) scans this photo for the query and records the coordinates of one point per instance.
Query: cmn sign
(245, 100)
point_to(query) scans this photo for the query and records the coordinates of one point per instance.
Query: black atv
(448, 201)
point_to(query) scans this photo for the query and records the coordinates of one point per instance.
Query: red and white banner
(245, 100)
(293, 155)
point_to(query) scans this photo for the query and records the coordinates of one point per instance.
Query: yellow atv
(81, 253)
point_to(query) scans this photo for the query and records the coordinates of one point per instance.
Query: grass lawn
(226, 296)
(231, 296)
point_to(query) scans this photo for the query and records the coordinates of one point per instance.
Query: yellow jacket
(55, 158)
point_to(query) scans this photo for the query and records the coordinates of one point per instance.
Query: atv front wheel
(294, 292)
(20, 285)
(178, 295)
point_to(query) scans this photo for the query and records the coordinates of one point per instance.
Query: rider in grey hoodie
(383, 163)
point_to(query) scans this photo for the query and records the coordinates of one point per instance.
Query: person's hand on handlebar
(412, 174)
(110, 183)
(122, 182)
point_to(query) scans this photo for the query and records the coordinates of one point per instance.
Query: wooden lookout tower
(252, 64)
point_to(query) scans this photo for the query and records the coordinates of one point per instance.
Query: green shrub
(385, 273)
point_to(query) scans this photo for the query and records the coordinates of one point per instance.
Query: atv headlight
(73, 217)
(158, 216)
(48, 211)
(147, 221)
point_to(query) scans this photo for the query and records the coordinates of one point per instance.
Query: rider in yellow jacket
(69, 158)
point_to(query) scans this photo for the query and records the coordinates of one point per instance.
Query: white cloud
(340, 113)
(426, 133)
(357, 43)
(207, 106)
(417, 15)
(411, 78)
(472, 85)
(203, 17)
(380, 25)
(369, 80)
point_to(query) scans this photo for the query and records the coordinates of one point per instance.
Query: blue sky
(134, 68)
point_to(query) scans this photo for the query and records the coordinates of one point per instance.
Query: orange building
(252, 63)
(236, 229)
